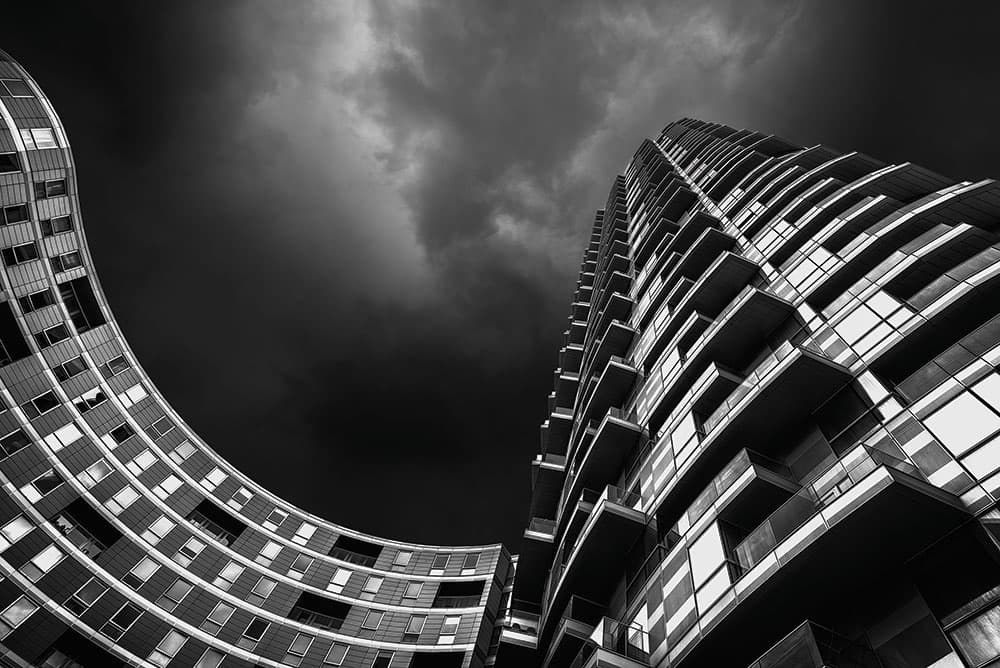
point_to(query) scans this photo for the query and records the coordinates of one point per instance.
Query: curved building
(124, 539)
(774, 434)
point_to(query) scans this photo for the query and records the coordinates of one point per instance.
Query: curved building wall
(774, 435)
(125, 539)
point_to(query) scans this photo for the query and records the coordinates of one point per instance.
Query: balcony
(618, 307)
(577, 331)
(615, 342)
(812, 646)
(566, 385)
(851, 530)
(611, 387)
(547, 474)
(556, 430)
(576, 624)
(570, 358)
(581, 566)
(537, 546)
(615, 438)
(518, 638)
(614, 644)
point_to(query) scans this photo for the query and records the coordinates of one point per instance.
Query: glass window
(985, 460)
(336, 655)
(402, 558)
(140, 573)
(978, 640)
(16, 87)
(383, 659)
(175, 594)
(372, 620)
(14, 530)
(261, 591)
(228, 575)
(42, 563)
(217, 618)
(16, 613)
(300, 645)
(962, 423)
(706, 553)
(210, 659)
(440, 563)
(415, 624)
(371, 587)
(167, 649)
(183, 450)
(58, 225)
(339, 579)
(304, 533)
(413, 589)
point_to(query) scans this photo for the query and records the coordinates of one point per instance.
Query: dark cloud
(343, 236)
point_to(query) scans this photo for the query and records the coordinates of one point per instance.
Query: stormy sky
(342, 236)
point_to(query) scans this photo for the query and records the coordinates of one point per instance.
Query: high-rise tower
(124, 539)
(773, 434)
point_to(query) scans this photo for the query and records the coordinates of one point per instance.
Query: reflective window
(962, 423)
(978, 640)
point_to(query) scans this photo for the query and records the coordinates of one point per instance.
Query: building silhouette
(772, 439)
(124, 539)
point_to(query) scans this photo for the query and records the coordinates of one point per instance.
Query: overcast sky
(343, 236)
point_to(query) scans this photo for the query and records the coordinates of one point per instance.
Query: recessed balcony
(850, 531)
(614, 644)
(581, 567)
(576, 624)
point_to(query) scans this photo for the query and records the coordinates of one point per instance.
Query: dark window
(459, 594)
(217, 522)
(115, 366)
(47, 482)
(13, 345)
(13, 442)
(438, 660)
(18, 213)
(15, 88)
(121, 433)
(9, 163)
(19, 254)
(383, 659)
(84, 311)
(356, 551)
(40, 404)
(319, 611)
(86, 528)
(66, 261)
(55, 226)
(51, 336)
(46, 189)
(69, 368)
(36, 300)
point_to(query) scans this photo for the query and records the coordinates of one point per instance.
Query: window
(133, 395)
(372, 585)
(141, 462)
(13, 442)
(402, 559)
(58, 225)
(303, 533)
(274, 519)
(440, 563)
(212, 658)
(260, 591)
(413, 589)
(20, 254)
(51, 336)
(15, 614)
(415, 625)
(707, 554)
(962, 423)
(140, 573)
(167, 648)
(90, 399)
(15, 88)
(300, 565)
(38, 138)
(14, 530)
(167, 486)
(122, 499)
(297, 650)
(162, 427)
(118, 435)
(43, 403)
(372, 620)
(9, 163)
(66, 261)
(188, 551)
(217, 618)
(183, 450)
(383, 659)
(42, 563)
(94, 473)
(254, 632)
(174, 594)
(115, 366)
(240, 498)
(36, 300)
(268, 553)
(470, 564)
(121, 621)
(19, 213)
(449, 629)
(228, 575)
(213, 479)
(339, 579)
(85, 596)
(978, 640)
(63, 436)
(158, 530)
(69, 368)
(50, 188)
(336, 655)
(41, 486)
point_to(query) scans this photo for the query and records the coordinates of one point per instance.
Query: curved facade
(124, 539)
(774, 436)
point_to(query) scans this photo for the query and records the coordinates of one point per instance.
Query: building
(124, 539)
(772, 438)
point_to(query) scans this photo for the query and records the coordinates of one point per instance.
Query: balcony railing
(813, 497)
(812, 646)
(611, 635)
